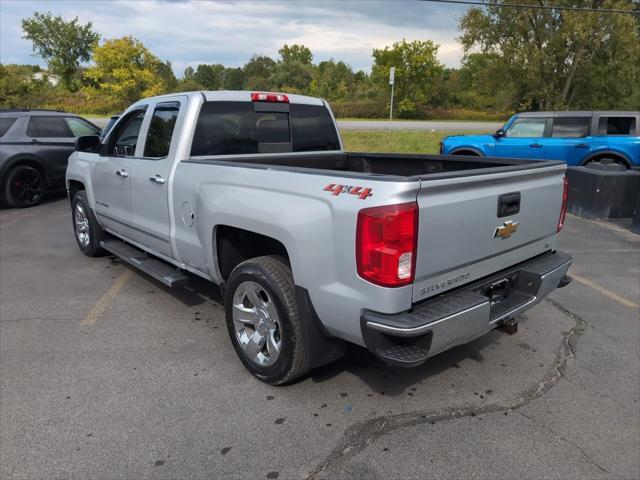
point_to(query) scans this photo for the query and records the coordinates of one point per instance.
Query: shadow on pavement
(49, 197)
(378, 376)
(393, 381)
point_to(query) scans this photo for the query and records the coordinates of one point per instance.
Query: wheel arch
(73, 187)
(467, 150)
(608, 154)
(233, 245)
(24, 159)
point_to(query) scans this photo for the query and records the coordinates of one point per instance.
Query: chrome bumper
(464, 314)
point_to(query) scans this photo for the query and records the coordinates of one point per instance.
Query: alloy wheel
(256, 324)
(26, 186)
(82, 228)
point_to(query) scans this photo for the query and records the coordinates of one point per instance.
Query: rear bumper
(464, 314)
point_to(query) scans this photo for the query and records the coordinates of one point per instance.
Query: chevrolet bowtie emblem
(506, 230)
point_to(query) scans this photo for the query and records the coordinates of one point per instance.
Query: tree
(293, 77)
(233, 79)
(20, 87)
(475, 84)
(417, 72)
(554, 59)
(63, 45)
(333, 81)
(126, 71)
(210, 76)
(165, 71)
(296, 53)
(257, 72)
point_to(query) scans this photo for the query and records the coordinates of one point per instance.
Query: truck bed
(381, 164)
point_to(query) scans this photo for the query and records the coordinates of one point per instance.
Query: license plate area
(499, 290)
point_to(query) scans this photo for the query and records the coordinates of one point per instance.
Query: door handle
(122, 173)
(157, 179)
(535, 145)
(35, 141)
(582, 145)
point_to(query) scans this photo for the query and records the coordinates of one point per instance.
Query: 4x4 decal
(336, 190)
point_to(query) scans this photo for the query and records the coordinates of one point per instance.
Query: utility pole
(392, 77)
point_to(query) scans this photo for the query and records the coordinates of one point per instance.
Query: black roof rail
(31, 110)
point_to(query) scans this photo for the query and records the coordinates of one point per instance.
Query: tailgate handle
(508, 204)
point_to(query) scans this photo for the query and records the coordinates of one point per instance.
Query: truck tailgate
(462, 238)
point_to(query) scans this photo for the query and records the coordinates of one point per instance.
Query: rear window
(5, 124)
(570, 127)
(616, 126)
(234, 128)
(47, 127)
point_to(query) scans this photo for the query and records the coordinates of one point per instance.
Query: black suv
(34, 148)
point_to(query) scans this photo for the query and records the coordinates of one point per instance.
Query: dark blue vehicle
(576, 138)
(34, 148)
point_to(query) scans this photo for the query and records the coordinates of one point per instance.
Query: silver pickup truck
(313, 247)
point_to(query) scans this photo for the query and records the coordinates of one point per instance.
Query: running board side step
(155, 268)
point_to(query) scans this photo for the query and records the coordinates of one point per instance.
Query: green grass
(356, 119)
(402, 141)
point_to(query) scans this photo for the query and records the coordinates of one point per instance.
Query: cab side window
(49, 126)
(5, 124)
(616, 126)
(527, 127)
(161, 129)
(570, 127)
(125, 137)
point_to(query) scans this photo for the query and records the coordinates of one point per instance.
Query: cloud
(189, 32)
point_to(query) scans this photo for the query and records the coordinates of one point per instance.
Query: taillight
(269, 97)
(563, 210)
(386, 239)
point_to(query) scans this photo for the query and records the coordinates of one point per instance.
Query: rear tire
(263, 322)
(86, 229)
(23, 187)
(607, 161)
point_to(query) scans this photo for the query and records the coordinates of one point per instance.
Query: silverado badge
(506, 230)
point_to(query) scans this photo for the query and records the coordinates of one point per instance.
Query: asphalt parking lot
(106, 374)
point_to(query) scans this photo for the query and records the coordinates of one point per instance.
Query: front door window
(125, 139)
(527, 128)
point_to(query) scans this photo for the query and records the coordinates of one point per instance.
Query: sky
(190, 32)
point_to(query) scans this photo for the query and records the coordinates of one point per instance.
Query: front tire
(24, 187)
(263, 322)
(87, 231)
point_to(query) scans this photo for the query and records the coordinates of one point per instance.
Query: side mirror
(500, 133)
(87, 143)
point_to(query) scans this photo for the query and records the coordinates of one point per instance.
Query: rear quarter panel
(628, 147)
(318, 230)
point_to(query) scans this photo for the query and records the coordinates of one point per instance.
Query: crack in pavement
(568, 442)
(362, 434)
